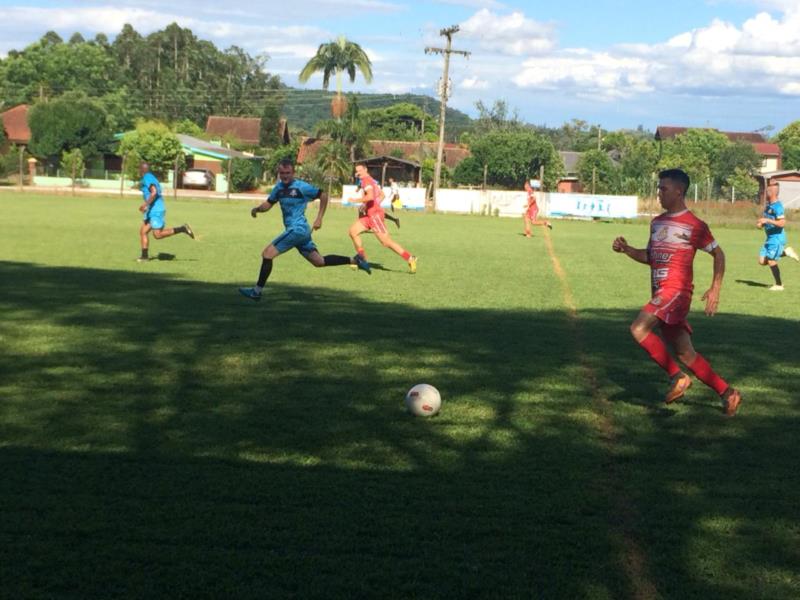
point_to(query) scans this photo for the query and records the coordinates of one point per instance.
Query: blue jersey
(149, 179)
(774, 211)
(293, 199)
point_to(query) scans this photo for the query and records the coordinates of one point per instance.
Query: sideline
(623, 519)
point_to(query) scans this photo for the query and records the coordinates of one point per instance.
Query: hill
(305, 108)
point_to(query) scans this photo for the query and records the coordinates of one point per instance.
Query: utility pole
(444, 93)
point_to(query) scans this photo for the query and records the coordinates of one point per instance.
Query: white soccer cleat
(791, 253)
(776, 288)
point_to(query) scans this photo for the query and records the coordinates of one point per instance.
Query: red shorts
(375, 223)
(533, 212)
(671, 307)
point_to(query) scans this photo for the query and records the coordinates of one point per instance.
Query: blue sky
(730, 64)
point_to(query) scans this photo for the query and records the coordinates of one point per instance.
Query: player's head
(773, 187)
(361, 171)
(286, 171)
(143, 168)
(672, 186)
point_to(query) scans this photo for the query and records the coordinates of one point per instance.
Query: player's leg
(355, 231)
(278, 246)
(388, 242)
(643, 330)
(170, 231)
(791, 253)
(769, 254)
(527, 220)
(395, 220)
(144, 240)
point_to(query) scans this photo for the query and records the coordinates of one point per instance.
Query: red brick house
(15, 123)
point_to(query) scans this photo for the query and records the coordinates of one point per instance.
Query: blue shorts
(155, 219)
(772, 249)
(295, 238)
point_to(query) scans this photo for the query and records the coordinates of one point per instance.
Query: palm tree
(332, 160)
(336, 57)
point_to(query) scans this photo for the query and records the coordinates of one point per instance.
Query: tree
(336, 57)
(332, 159)
(496, 118)
(68, 122)
(153, 143)
(350, 131)
(737, 157)
(244, 175)
(695, 151)
(597, 172)
(512, 157)
(72, 163)
(740, 185)
(402, 121)
(2, 135)
(468, 172)
(788, 139)
(187, 127)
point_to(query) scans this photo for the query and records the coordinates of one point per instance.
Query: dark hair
(676, 175)
(286, 162)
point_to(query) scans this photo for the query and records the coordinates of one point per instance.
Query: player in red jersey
(675, 237)
(533, 208)
(373, 220)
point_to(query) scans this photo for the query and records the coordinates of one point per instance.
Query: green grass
(161, 436)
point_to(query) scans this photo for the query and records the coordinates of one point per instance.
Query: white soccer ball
(423, 400)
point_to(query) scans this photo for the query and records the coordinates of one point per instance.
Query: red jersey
(532, 199)
(374, 205)
(674, 240)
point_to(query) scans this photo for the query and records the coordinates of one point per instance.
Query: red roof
(766, 149)
(453, 153)
(666, 132)
(245, 129)
(15, 122)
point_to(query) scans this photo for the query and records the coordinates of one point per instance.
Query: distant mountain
(305, 108)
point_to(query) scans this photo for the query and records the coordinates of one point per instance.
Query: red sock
(406, 255)
(657, 350)
(706, 374)
(361, 253)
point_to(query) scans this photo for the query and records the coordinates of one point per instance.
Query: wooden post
(383, 173)
(122, 176)
(485, 175)
(175, 182)
(228, 187)
(21, 173)
(74, 168)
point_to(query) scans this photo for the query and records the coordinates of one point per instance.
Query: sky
(729, 64)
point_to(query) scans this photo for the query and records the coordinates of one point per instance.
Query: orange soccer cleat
(677, 388)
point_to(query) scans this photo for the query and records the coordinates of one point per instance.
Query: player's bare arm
(621, 245)
(323, 206)
(711, 297)
(263, 207)
(776, 222)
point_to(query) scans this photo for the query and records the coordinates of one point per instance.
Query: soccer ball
(423, 400)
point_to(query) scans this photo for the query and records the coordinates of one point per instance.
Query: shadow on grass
(166, 437)
(753, 283)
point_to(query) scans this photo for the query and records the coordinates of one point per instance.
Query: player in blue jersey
(772, 222)
(154, 212)
(293, 195)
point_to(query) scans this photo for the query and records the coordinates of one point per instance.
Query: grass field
(161, 436)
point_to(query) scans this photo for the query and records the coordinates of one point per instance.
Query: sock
(706, 374)
(334, 260)
(181, 229)
(657, 350)
(776, 273)
(144, 253)
(361, 253)
(406, 255)
(266, 269)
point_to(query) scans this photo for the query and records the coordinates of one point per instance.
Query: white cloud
(512, 34)
(474, 83)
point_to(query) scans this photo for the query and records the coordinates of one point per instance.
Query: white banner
(410, 198)
(592, 206)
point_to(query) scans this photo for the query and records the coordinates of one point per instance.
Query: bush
(244, 175)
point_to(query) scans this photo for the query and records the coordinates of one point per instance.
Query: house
(789, 190)
(15, 123)
(381, 168)
(569, 183)
(247, 130)
(411, 153)
(770, 153)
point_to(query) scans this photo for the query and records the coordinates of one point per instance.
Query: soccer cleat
(363, 264)
(250, 293)
(189, 231)
(142, 259)
(731, 400)
(412, 264)
(397, 222)
(549, 225)
(776, 288)
(791, 253)
(677, 387)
